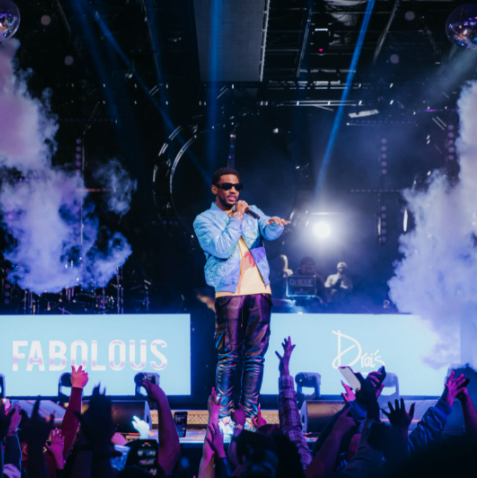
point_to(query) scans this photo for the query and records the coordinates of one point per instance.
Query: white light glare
(322, 230)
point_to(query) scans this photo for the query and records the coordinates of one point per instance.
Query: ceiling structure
(267, 48)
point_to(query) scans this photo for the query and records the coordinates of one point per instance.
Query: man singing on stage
(231, 234)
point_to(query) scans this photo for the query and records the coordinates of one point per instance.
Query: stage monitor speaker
(123, 412)
(455, 421)
(315, 414)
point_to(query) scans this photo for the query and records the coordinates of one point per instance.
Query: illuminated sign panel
(36, 350)
(365, 342)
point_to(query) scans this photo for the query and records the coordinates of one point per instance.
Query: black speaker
(123, 412)
(315, 414)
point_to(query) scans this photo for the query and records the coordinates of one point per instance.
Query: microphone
(253, 214)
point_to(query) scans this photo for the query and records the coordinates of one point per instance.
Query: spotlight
(322, 230)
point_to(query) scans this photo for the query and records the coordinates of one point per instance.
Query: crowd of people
(355, 443)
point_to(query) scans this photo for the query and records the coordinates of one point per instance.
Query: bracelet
(238, 215)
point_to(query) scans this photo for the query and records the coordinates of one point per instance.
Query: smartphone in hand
(180, 419)
(350, 377)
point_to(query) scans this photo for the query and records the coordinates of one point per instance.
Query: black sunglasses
(229, 186)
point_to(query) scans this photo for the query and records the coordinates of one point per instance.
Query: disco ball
(461, 26)
(9, 19)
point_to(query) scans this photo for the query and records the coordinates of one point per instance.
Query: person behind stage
(338, 285)
(307, 268)
(237, 267)
(279, 274)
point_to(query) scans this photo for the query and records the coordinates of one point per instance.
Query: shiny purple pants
(242, 328)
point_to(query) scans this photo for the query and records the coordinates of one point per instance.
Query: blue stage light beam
(80, 8)
(156, 53)
(214, 75)
(168, 125)
(110, 37)
(339, 114)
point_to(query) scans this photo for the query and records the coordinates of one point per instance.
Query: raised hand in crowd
(169, 448)
(348, 395)
(11, 444)
(239, 417)
(393, 440)
(56, 448)
(453, 387)
(258, 421)
(142, 427)
(215, 439)
(377, 379)
(70, 425)
(15, 417)
(344, 424)
(206, 467)
(398, 417)
(79, 378)
(213, 406)
(5, 420)
(97, 428)
(284, 364)
(36, 430)
(290, 421)
(324, 461)
(97, 424)
(469, 412)
(367, 395)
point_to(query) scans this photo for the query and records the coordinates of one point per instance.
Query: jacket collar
(214, 207)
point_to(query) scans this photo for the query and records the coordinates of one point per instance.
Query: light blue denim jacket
(219, 237)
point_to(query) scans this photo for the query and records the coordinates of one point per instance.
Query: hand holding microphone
(243, 208)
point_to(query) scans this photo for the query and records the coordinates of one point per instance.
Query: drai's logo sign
(30, 356)
(350, 352)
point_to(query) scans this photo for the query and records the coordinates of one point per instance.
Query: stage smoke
(118, 185)
(437, 278)
(40, 210)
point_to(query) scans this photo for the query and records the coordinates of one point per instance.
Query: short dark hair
(308, 260)
(222, 172)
